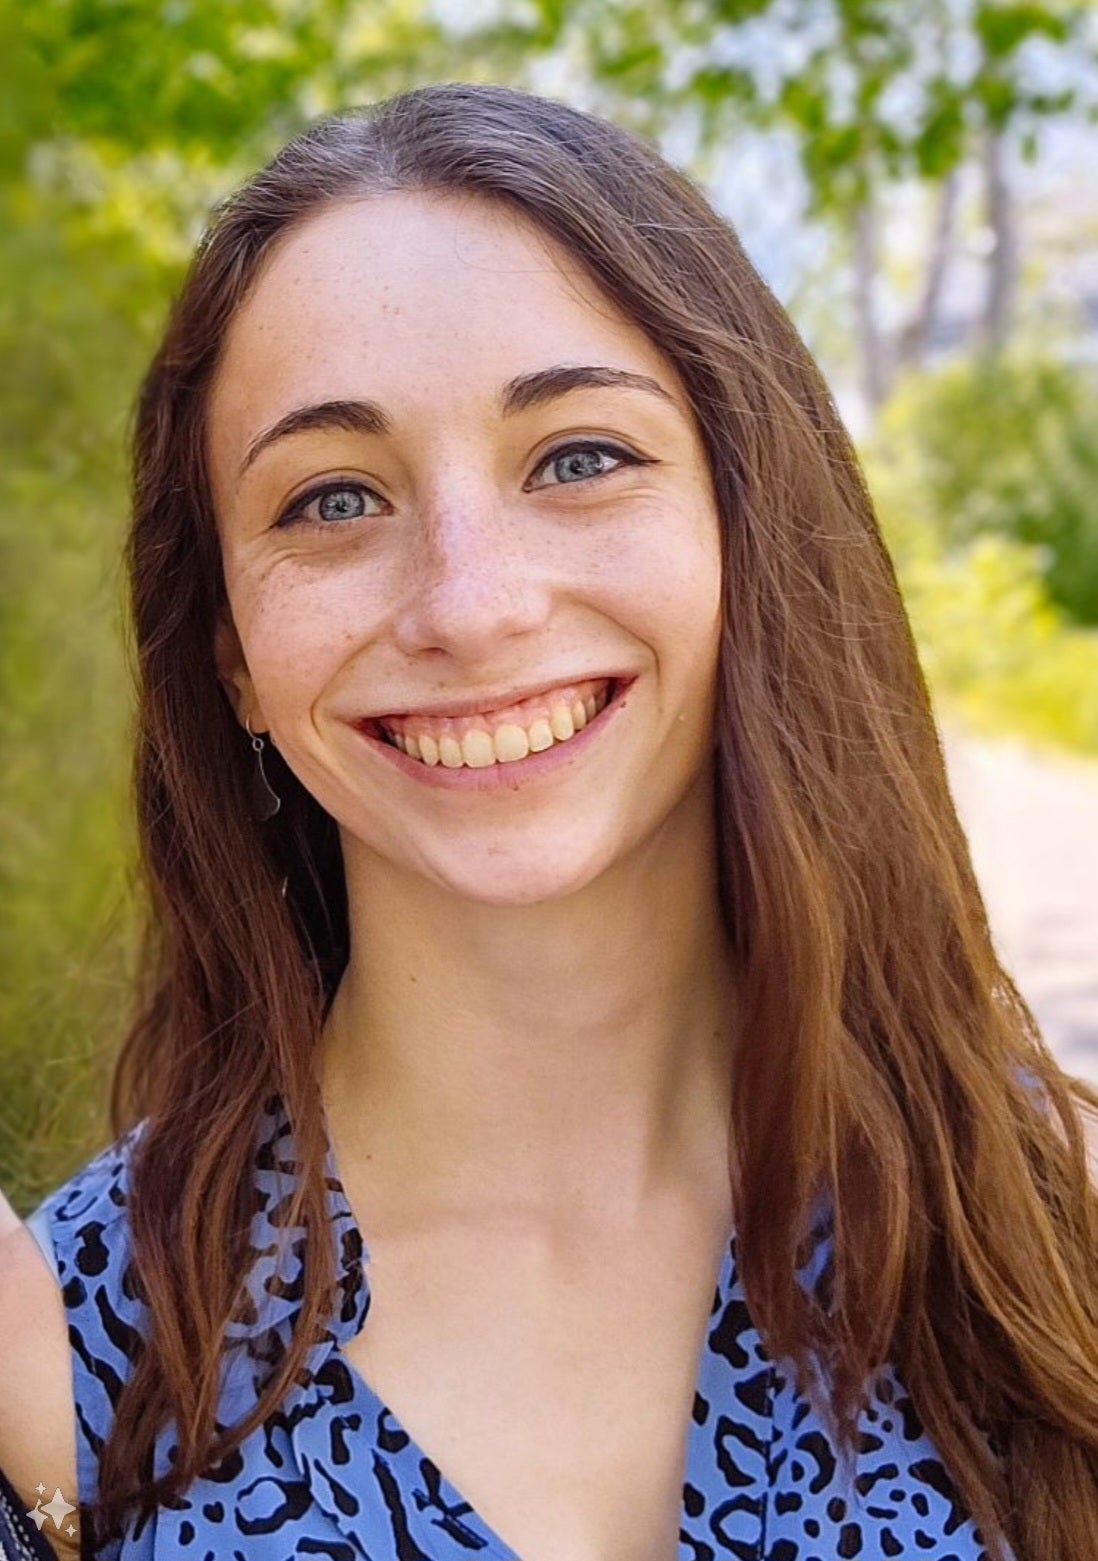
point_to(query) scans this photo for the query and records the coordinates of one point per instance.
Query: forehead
(372, 295)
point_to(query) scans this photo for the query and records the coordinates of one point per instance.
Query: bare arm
(9, 1220)
(37, 1417)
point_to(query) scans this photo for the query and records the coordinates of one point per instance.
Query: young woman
(575, 1110)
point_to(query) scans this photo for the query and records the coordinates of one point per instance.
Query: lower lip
(505, 777)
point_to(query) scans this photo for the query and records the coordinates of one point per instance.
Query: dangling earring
(265, 800)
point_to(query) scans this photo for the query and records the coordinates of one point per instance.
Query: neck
(567, 1059)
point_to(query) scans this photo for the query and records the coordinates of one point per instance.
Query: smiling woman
(574, 1099)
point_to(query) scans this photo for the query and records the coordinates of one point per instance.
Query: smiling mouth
(477, 742)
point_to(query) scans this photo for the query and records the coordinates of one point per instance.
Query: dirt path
(1032, 821)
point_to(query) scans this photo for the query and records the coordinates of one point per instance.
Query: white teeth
(563, 725)
(478, 749)
(541, 736)
(511, 743)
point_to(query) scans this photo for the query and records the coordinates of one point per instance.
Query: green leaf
(1002, 29)
(939, 139)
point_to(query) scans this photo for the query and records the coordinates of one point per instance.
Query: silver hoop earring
(265, 800)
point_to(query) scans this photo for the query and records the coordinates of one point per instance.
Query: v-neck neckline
(733, 1385)
(457, 1506)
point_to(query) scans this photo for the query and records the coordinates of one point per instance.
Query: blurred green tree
(870, 92)
(1008, 447)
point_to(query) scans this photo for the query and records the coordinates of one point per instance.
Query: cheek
(669, 589)
(297, 632)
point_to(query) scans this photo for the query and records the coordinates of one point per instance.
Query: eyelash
(295, 515)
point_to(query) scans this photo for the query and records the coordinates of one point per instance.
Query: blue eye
(580, 460)
(343, 500)
(338, 501)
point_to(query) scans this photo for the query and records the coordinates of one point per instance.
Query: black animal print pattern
(334, 1474)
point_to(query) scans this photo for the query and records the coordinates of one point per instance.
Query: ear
(233, 674)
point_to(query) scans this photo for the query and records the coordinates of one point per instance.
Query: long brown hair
(892, 1063)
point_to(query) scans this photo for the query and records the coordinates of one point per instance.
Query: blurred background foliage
(876, 155)
(1009, 446)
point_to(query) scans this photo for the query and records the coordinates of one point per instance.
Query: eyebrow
(518, 395)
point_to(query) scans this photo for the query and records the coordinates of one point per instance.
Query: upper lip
(500, 701)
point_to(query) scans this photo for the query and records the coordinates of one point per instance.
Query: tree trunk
(1002, 260)
(918, 334)
(871, 352)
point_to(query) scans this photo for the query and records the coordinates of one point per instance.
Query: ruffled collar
(275, 1282)
(262, 1329)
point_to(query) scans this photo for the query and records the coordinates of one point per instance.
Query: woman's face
(507, 505)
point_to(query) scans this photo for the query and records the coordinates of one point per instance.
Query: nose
(474, 578)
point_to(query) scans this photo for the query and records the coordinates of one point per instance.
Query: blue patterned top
(333, 1472)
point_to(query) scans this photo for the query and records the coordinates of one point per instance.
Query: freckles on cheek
(301, 633)
(293, 639)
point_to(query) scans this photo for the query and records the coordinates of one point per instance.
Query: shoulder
(57, 1329)
(98, 1194)
(85, 1222)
